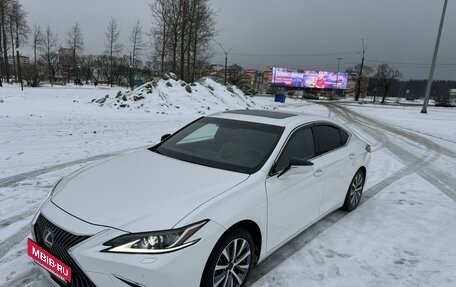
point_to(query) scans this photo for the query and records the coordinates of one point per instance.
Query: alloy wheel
(233, 264)
(356, 189)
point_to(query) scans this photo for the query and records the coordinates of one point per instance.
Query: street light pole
(131, 67)
(226, 57)
(337, 76)
(434, 59)
(19, 67)
(360, 75)
(226, 65)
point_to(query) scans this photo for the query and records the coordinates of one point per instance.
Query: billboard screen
(308, 79)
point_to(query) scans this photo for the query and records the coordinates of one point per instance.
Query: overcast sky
(301, 34)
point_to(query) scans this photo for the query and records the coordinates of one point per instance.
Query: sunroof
(262, 113)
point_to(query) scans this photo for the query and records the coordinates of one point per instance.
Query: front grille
(63, 241)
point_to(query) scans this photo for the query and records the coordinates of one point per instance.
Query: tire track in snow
(16, 239)
(442, 180)
(24, 279)
(10, 220)
(10, 180)
(20, 236)
(302, 239)
(412, 135)
(293, 246)
(288, 249)
(414, 164)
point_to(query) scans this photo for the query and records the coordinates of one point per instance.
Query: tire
(226, 268)
(355, 191)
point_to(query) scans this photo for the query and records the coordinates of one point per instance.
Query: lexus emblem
(48, 238)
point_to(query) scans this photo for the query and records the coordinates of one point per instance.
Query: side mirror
(165, 137)
(299, 162)
(295, 162)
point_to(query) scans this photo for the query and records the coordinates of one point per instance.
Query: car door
(331, 146)
(294, 196)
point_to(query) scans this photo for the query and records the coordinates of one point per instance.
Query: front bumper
(180, 268)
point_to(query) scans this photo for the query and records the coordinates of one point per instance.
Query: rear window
(328, 138)
(344, 136)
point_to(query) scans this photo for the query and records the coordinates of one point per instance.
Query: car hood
(141, 191)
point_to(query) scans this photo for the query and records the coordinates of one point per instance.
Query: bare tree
(21, 28)
(10, 24)
(7, 7)
(203, 35)
(17, 27)
(137, 44)
(87, 63)
(121, 69)
(97, 70)
(385, 77)
(49, 51)
(159, 32)
(4, 7)
(104, 66)
(182, 32)
(361, 78)
(37, 45)
(75, 41)
(113, 47)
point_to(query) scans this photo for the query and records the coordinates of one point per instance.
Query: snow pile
(169, 95)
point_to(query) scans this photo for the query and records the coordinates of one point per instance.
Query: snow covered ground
(439, 122)
(402, 235)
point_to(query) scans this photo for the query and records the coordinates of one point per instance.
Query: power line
(409, 63)
(297, 66)
(293, 55)
(372, 61)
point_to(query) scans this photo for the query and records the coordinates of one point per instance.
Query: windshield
(222, 143)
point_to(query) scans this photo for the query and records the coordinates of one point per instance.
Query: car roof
(277, 118)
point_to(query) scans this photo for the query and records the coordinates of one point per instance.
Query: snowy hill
(170, 95)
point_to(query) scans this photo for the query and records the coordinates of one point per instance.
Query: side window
(328, 138)
(344, 135)
(300, 145)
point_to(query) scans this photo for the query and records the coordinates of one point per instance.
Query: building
(453, 97)
(250, 75)
(446, 100)
(267, 75)
(215, 70)
(65, 53)
(23, 60)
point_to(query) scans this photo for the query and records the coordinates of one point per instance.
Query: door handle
(318, 172)
(351, 156)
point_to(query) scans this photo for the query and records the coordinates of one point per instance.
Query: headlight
(155, 242)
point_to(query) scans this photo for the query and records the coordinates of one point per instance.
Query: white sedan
(203, 206)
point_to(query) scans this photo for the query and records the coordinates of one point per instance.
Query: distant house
(216, 70)
(250, 75)
(65, 53)
(267, 75)
(24, 60)
(446, 100)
